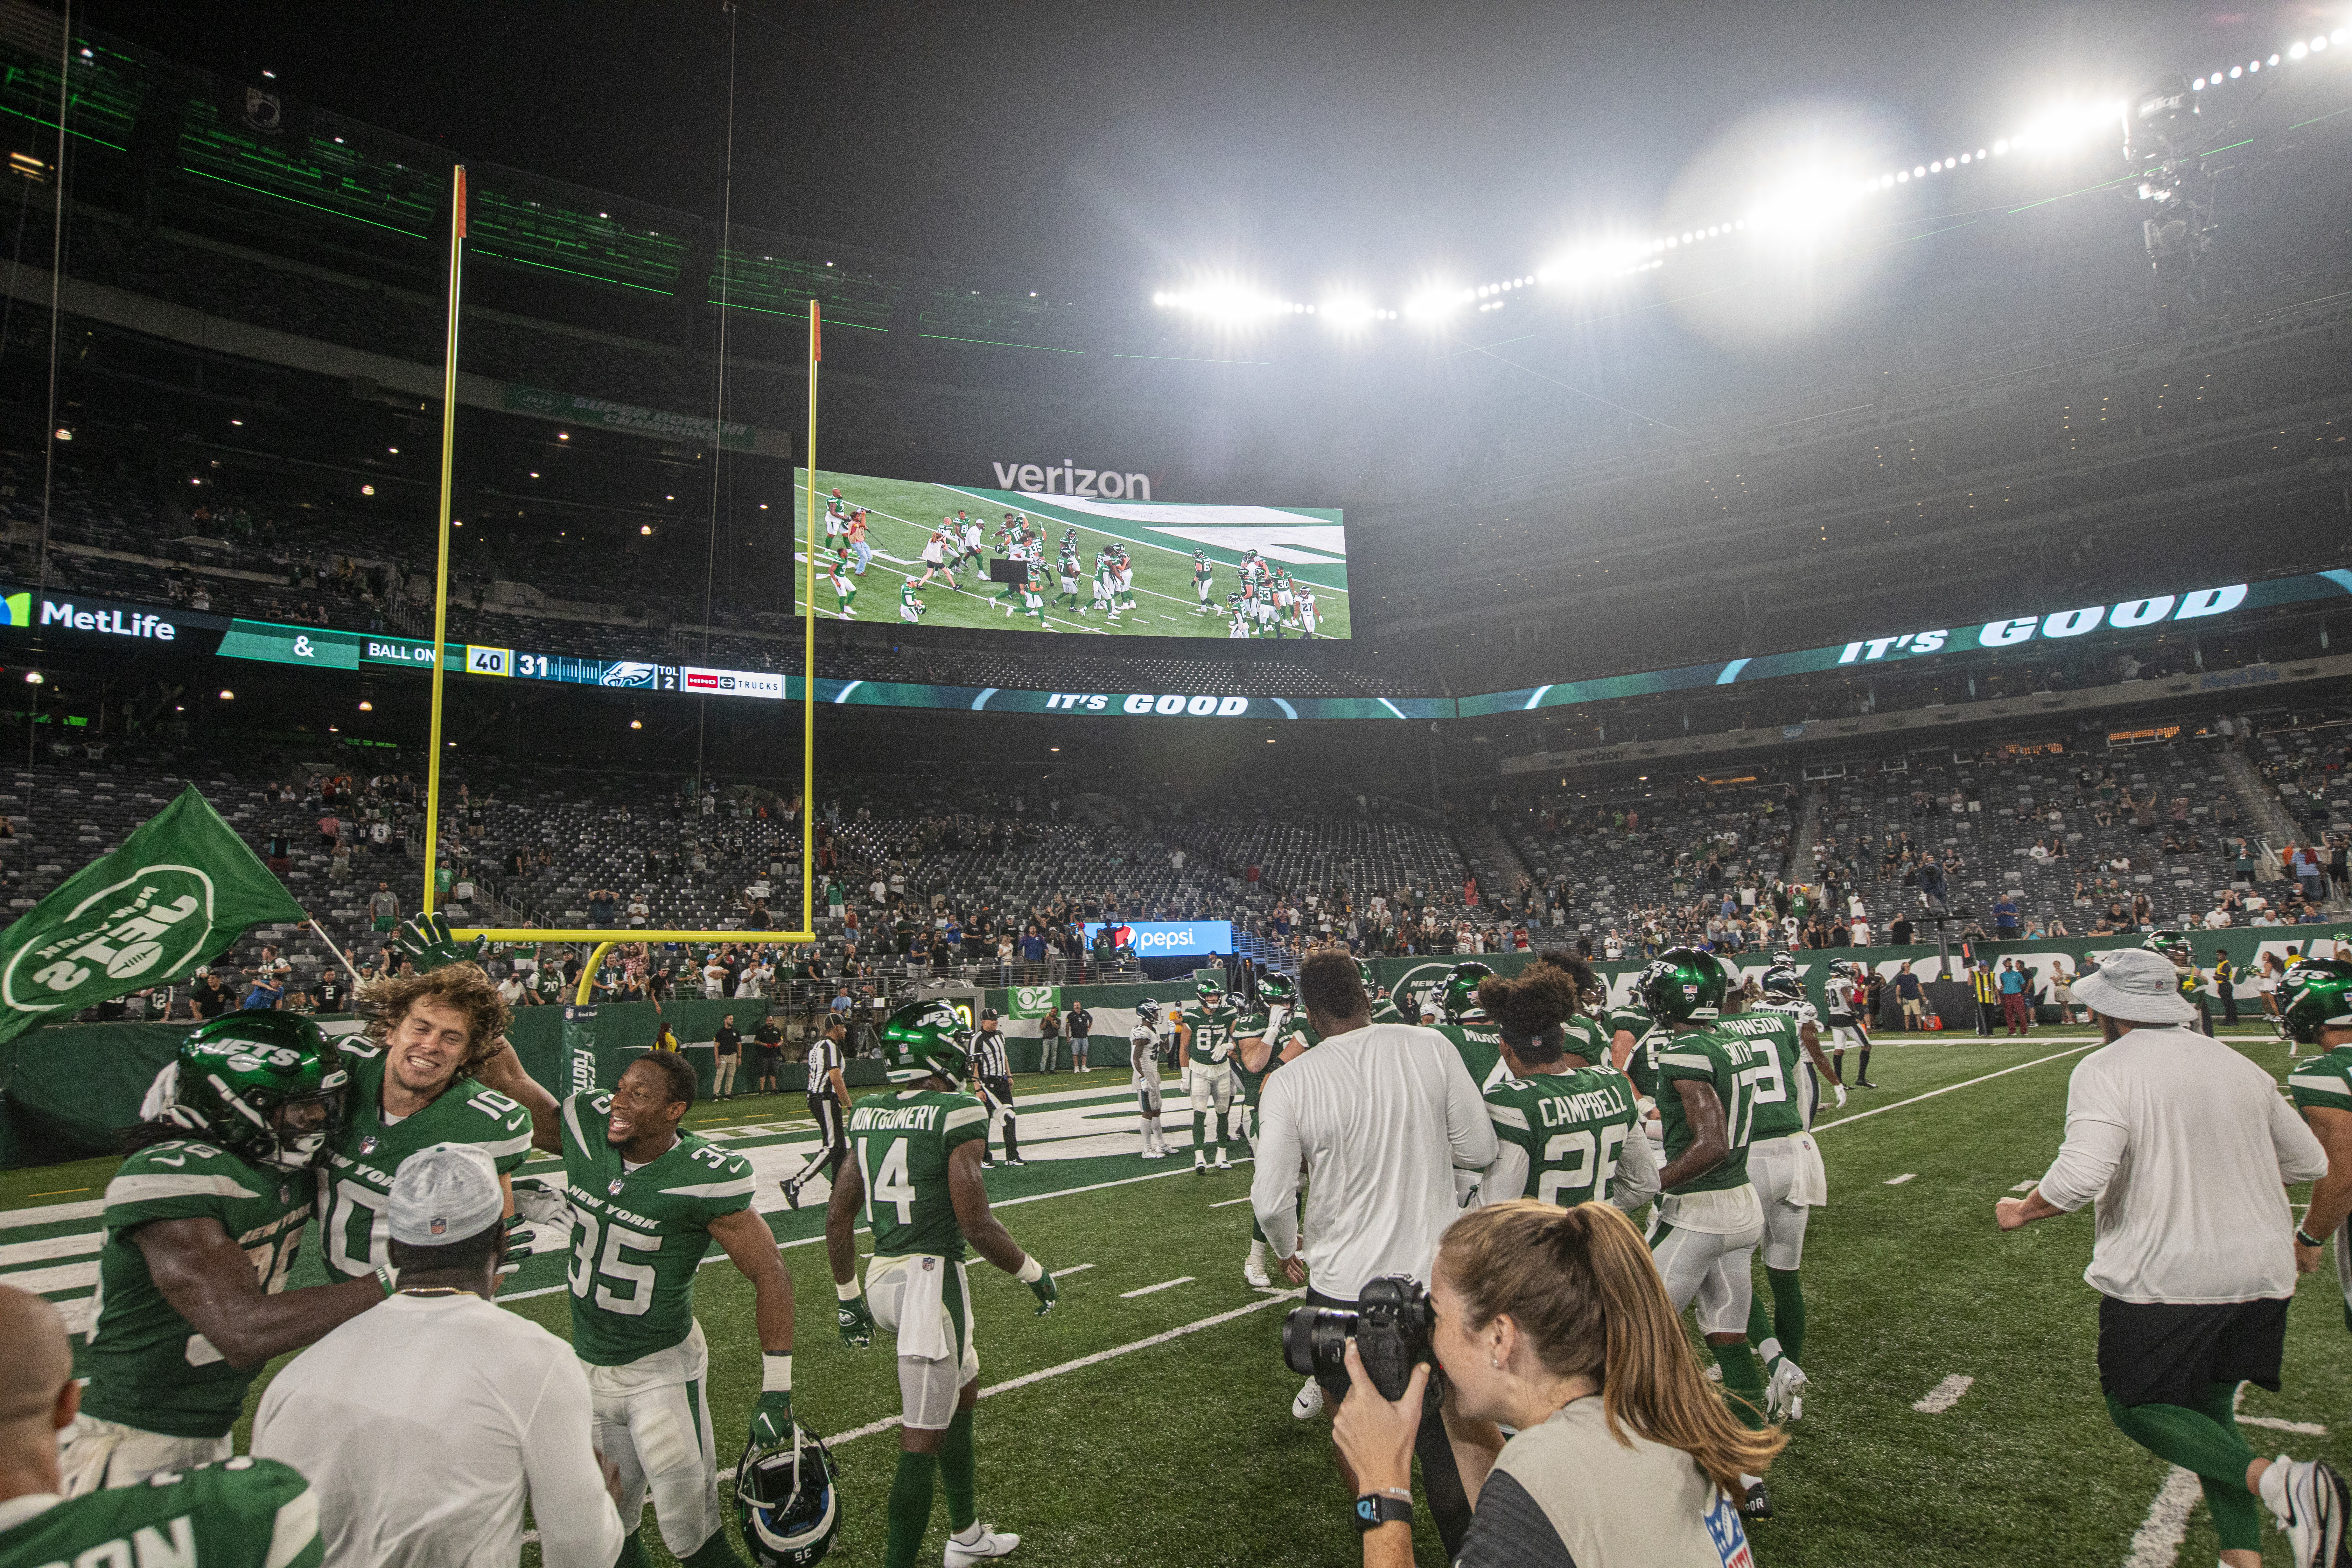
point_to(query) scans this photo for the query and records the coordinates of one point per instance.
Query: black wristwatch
(2308, 1241)
(1376, 1508)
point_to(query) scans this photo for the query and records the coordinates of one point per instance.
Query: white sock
(1257, 1253)
(1769, 1351)
(971, 1536)
(2272, 1488)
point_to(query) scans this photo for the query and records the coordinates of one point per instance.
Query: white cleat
(1254, 1273)
(1199, 1161)
(1309, 1403)
(1155, 1154)
(1784, 1395)
(992, 1544)
(1223, 1163)
(2309, 1501)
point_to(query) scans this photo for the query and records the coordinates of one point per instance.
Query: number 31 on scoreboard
(488, 660)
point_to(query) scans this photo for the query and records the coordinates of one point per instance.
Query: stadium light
(34, 678)
(1434, 303)
(367, 489)
(227, 695)
(644, 528)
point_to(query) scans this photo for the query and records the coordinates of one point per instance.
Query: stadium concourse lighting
(1231, 303)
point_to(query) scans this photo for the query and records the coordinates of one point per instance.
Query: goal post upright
(602, 939)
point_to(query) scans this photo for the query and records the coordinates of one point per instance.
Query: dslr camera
(1390, 1327)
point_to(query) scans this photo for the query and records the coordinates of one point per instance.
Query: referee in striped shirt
(994, 1069)
(828, 1097)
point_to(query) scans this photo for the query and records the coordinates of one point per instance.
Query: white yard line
(1944, 1395)
(1073, 1269)
(2157, 1543)
(1163, 1284)
(1229, 1203)
(2303, 1428)
(1898, 1181)
(1819, 1127)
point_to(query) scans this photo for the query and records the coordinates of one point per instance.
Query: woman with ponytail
(1553, 1322)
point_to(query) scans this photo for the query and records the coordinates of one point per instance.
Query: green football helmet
(1211, 992)
(1684, 986)
(268, 1087)
(787, 1501)
(1372, 987)
(1276, 989)
(926, 1039)
(1458, 999)
(2173, 944)
(2317, 995)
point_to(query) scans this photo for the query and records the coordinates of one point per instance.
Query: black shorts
(2161, 1353)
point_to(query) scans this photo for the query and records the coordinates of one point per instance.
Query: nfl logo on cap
(439, 1226)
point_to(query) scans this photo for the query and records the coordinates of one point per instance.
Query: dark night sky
(1298, 140)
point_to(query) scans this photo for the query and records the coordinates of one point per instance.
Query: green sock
(1759, 1322)
(713, 1553)
(1788, 1313)
(1743, 1383)
(632, 1551)
(2206, 1440)
(910, 1507)
(957, 1472)
(1199, 1132)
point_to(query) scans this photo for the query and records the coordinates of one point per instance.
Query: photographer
(1381, 1115)
(1552, 1322)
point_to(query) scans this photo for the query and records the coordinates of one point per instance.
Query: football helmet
(1212, 992)
(2173, 944)
(1148, 1011)
(926, 1039)
(1846, 969)
(1458, 999)
(1276, 989)
(1372, 987)
(1684, 986)
(2317, 995)
(787, 1501)
(268, 1087)
(1783, 983)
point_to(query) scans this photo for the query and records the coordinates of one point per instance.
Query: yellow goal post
(603, 938)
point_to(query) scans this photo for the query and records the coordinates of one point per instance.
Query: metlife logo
(99, 617)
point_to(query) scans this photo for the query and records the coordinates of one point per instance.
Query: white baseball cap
(2135, 986)
(443, 1194)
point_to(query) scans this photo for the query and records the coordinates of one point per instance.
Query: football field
(1954, 1415)
(1160, 540)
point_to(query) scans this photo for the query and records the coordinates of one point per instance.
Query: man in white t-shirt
(2185, 1145)
(714, 979)
(472, 1407)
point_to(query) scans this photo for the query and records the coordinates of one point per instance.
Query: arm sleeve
(2302, 1157)
(1467, 1125)
(577, 1525)
(1273, 1187)
(1507, 1178)
(1637, 1172)
(1510, 1530)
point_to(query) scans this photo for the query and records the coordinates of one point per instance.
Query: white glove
(1841, 1093)
(540, 1201)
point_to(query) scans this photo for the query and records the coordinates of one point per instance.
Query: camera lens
(1315, 1342)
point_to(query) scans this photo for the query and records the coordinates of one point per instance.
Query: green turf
(1183, 1452)
(901, 514)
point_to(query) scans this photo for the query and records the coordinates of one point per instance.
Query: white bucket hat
(2135, 986)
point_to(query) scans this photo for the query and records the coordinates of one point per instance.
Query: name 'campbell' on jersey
(637, 1237)
(901, 1143)
(1568, 1129)
(356, 1181)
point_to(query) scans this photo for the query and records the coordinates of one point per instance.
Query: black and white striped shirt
(824, 1060)
(987, 1058)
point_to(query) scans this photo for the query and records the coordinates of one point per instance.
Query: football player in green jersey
(647, 1200)
(241, 1513)
(1708, 1221)
(914, 1178)
(2316, 1009)
(1206, 1030)
(201, 1222)
(1384, 1007)
(2176, 948)
(1465, 1023)
(430, 1069)
(1566, 1131)
(1268, 1040)
(1784, 1166)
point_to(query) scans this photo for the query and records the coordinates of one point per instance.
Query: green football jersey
(1215, 1030)
(356, 1181)
(637, 1237)
(2323, 1080)
(1588, 1037)
(1480, 1046)
(1775, 1081)
(1258, 1026)
(240, 1513)
(901, 1143)
(1721, 1061)
(1650, 1038)
(148, 1366)
(1384, 1011)
(1572, 1126)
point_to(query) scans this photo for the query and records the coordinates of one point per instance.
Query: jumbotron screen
(1064, 558)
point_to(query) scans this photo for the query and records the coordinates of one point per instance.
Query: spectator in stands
(264, 994)
(603, 903)
(384, 906)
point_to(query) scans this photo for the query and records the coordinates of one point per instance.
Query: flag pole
(441, 560)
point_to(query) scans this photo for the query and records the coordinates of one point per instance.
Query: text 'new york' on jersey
(637, 1237)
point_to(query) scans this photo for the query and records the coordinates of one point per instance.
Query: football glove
(426, 942)
(1841, 1093)
(772, 1420)
(518, 1242)
(1043, 1288)
(856, 1321)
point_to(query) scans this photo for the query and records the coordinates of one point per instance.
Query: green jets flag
(181, 888)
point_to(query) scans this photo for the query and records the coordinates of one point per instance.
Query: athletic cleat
(1864, 1083)
(988, 1164)
(1309, 1404)
(1223, 1163)
(1014, 1159)
(791, 1194)
(1254, 1274)
(990, 1544)
(1199, 1161)
(1783, 1395)
(1758, 1504)
(2310, 1502)
(1155, 1153)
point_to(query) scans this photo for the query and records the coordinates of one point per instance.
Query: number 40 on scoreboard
(488, 660)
